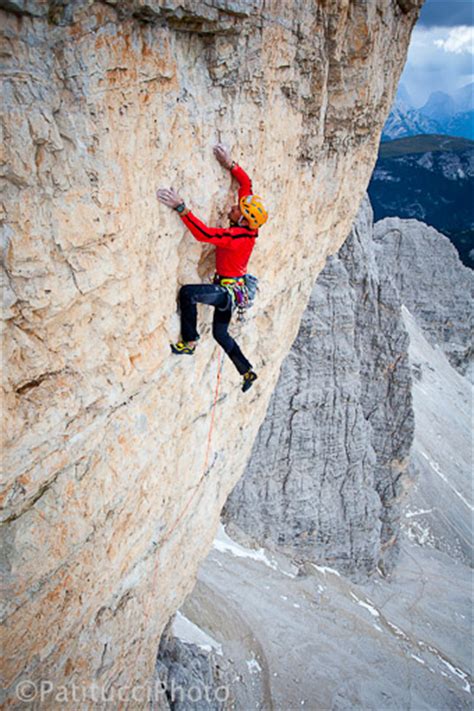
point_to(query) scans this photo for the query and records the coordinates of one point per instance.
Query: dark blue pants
(219, 297)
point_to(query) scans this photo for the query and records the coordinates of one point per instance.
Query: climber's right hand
(222, 154)
(169, 197)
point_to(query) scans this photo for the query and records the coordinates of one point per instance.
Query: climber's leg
(193, 294)
(220, 332)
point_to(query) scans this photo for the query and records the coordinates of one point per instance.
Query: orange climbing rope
(216, 395)
(220, 363)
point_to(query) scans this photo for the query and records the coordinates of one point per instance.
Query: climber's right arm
(214, 235)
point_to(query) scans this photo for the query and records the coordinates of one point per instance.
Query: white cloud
(431, 67)
(459, 40)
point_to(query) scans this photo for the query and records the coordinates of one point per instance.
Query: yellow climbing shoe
(249, 378)
(182, 348)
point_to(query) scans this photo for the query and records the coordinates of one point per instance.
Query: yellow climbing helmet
(252, 209)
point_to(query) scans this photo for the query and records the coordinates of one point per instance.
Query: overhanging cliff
(108, 503)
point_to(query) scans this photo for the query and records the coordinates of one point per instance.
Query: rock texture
(433, 284)
(327, 468)
(112, 493)
(391, 643)
(189, 676)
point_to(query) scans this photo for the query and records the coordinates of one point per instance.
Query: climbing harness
(242, 291)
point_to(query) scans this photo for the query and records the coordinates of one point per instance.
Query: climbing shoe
(182, 348)
(249, 379)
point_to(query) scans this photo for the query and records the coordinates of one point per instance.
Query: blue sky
(441, 53)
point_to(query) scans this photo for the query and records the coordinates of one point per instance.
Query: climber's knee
(185, 293)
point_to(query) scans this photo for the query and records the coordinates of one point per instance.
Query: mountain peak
(442, 113)
(439, 106)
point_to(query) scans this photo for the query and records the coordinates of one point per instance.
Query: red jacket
(234, 245)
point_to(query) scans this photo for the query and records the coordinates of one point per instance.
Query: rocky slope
(439, 514)
(433, 284)
(328, 467)
(321, 641)
(111, 495)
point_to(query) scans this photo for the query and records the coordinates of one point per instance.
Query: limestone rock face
(439, 511)
(326, 472)
(434, 285)
(115, 470)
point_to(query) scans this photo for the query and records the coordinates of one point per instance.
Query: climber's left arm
(243, 179)
(222, 154)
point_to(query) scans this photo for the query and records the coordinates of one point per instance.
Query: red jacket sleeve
(245, 183)
(220, 236)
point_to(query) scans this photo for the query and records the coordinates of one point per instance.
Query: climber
(234, 246)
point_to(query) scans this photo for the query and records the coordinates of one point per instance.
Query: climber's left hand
(222, 154)
(169, 197)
